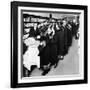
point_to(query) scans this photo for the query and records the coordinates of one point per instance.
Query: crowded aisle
(49, 45)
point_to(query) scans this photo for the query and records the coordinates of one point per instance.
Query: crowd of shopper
(45, 43)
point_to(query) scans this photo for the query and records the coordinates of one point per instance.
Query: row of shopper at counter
(55, 40)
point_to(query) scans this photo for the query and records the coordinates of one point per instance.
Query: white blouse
(31, 55)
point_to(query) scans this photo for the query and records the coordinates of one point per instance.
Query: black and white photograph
(50, 44)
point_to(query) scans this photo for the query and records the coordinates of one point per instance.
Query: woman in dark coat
(75, 28)
(53, 50)
(61, 37)
(60, 41)
(44, 53)
(44, 49)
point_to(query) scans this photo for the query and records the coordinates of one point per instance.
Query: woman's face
(64, 23)
(27, 30)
